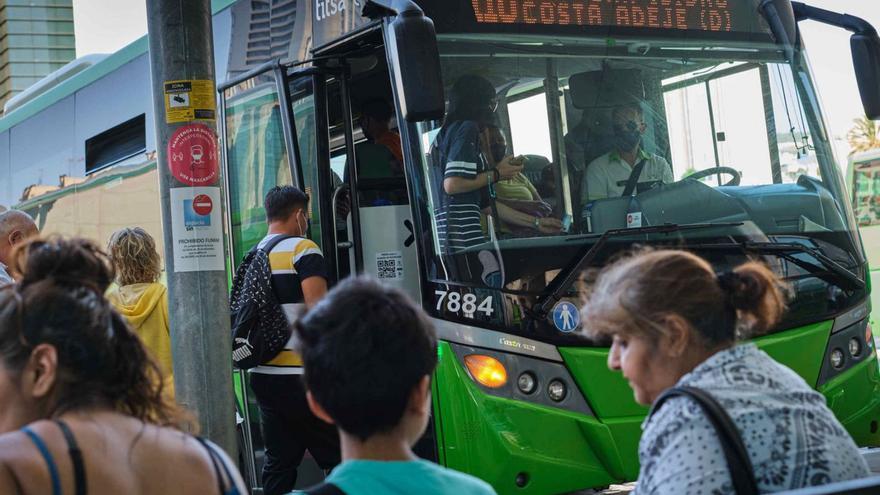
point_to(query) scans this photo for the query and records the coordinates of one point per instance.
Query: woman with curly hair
(139, 296)
(82, 408)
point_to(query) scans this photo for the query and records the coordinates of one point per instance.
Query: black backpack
(259, 326)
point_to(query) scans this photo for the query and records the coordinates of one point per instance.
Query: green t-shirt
(404, 477)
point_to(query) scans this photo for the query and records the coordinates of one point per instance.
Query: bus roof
(86, 77)
(864, 155)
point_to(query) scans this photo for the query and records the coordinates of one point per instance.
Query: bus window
(681, 118)
(866, 191)
(529, 126)
(257, 157)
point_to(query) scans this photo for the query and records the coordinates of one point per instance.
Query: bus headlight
(486, 370)
(527, 383)
(557, 390)
(837, 358)
(855, 347)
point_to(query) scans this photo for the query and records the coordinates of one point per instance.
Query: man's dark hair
(378, 109)
(281, 201)
(365, 347)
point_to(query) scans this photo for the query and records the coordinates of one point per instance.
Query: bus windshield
(623, 134)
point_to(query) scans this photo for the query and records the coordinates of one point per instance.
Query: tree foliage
(864, 135)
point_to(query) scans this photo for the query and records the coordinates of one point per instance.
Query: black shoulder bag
(741, 472)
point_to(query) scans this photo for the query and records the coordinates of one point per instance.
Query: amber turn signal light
(486, 370)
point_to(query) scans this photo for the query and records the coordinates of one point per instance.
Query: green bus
(520, 398)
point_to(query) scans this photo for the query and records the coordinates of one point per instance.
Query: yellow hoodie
(145, 306)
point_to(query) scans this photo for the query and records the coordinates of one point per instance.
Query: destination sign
(692, 15)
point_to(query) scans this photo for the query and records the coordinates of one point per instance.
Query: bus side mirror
(412, 49)
(412, 44)
(866, 61)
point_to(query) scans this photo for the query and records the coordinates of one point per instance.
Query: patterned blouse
(792, 438)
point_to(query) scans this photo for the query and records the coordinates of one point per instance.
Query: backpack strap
(742, 474)
(274, 242)
(324, 488)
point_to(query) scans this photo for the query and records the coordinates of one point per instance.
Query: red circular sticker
(192, 155)
(202, 204)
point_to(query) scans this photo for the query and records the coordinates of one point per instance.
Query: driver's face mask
(627, 136)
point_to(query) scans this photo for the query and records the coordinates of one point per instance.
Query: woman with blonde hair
(139, 296)
(674, 324)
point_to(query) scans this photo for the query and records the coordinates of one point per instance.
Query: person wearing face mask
(299, 281)
(607, 176)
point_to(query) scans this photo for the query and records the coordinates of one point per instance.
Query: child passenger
(368, 354)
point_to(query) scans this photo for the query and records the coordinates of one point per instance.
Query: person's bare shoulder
(189, 460)
(21, 465)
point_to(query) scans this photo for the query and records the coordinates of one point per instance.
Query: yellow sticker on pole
(190, 100)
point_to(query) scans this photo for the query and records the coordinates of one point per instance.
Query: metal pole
(182, 67)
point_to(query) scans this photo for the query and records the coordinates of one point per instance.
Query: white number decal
(485, 307)
(442, 294)
(468, 304)
(454, 303)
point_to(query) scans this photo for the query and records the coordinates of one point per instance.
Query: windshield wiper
(568, 276)
(839, 275)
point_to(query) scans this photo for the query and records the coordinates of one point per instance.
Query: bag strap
(274, 242)
(324, 489)
(218, 463)
(742, 474)
(633, 180)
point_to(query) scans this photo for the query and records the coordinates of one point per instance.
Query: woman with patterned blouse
(674, 322)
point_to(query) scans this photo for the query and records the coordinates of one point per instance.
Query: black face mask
(499, 151)
(626, 137)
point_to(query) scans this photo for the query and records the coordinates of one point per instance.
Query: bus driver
(607, 176)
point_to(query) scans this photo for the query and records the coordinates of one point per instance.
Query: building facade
(36, 38)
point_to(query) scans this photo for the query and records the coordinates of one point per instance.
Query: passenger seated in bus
(466, 178)
(369, 353)
(607, 176)
(138, 295)
(15, 227)
(518, 192)
(375, 123)
(81, 395)
(674, 323)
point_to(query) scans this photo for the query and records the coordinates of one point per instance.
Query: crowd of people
(85, 404)
(87, 400)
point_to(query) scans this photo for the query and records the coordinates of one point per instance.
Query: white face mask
(303, 229)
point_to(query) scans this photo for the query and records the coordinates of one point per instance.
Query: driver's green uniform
(607, 175)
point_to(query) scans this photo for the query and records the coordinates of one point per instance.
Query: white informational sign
(389, 265)
(197, 229)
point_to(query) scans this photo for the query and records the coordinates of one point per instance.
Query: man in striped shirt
(299, 281)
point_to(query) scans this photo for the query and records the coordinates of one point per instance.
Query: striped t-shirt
(292, 261)
(458, 215)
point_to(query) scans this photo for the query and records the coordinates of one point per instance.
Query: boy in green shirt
(368, 354)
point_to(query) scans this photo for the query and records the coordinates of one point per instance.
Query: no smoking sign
(192, 155)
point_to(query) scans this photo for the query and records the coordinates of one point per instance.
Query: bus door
(363, 210)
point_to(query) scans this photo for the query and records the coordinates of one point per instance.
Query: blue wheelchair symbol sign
(566, 317)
